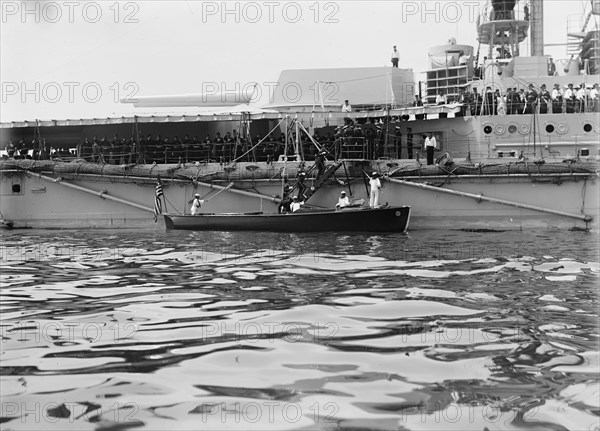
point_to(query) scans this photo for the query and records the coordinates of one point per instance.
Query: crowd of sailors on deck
(348, 141)
(569, 99)
(149, 149)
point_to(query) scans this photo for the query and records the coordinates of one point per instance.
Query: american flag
(157, 201)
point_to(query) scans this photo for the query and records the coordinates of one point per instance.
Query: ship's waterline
(459, 202)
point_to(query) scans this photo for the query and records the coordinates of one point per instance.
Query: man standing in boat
(430, 146)
(375, 188)
(196, 204)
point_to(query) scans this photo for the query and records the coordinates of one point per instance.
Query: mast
(285, 157)
(297, 140)
(537, 28)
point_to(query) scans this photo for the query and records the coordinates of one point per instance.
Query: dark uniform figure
(509, 101)
(476, 102)
(11, 149)
(85, 149)
(551, 67)
(286, 200)
(464, 99)
(409, 143)
(207, 148)
(531, 99)
(96, 150)
(398, 141)
(544, 99)
(320, 163)
(514, 99)
(418, 102)
(557, 100)
(521, 103)
(570, 99)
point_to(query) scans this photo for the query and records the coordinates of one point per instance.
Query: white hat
(197, 195)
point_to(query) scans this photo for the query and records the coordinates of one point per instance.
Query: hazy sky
(71, 59)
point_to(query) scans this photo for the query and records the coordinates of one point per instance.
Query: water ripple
(190, 330)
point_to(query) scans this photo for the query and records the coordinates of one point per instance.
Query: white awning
(318, 118)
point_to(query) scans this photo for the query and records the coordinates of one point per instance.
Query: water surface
(190, 330)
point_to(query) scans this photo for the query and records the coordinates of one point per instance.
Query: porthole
(587, 127)
(16, 189)
(487, 130)
(549, 128)
(524, 129)
(512, 129)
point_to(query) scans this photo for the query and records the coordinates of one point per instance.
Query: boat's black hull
(389, 219)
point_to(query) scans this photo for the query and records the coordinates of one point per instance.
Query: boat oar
(313, 206)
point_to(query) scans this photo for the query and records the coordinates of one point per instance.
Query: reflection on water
(428, 330)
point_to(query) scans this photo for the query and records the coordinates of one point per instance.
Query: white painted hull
(47, 204)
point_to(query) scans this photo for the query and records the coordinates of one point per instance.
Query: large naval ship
(516, 141)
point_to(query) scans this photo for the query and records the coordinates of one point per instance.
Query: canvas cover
(326, 88)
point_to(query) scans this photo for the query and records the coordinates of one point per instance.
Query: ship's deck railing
(397, 146)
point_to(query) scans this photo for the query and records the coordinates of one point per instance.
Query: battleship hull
(536, 197)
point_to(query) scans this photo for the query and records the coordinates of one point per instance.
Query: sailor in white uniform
(196, 204)
(343, 201)
(295, 206)
(375, 187)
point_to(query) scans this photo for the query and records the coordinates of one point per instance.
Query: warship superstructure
(505, 159)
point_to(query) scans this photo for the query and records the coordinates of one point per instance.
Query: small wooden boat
(384, 219)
